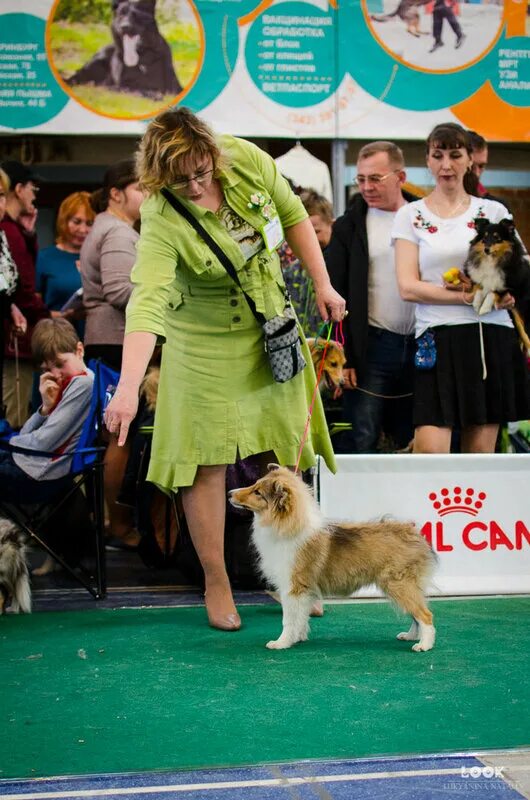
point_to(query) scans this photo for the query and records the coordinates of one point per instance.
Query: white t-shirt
(444, 243)
(386, 309)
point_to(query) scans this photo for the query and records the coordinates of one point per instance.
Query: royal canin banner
(473, 509)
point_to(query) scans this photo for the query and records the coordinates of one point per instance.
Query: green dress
(217, 400)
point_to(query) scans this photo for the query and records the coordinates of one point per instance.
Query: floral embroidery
(259, 201)
(423, 224)
(479, 215)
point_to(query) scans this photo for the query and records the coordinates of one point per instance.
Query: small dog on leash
(496, 265)
(332, 376)
(303, 557)
(14, 579)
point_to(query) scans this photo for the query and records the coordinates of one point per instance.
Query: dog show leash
(329, 325)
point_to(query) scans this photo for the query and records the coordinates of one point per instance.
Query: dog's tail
(22, 593)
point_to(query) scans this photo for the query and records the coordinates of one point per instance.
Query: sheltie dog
(14, 579)
(303, 557)
(332, 376)
(496, 265)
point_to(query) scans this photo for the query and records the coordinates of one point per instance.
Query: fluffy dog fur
(149, 387)
(332, 376)
(496, 264)
(14, 579)
(303, 557)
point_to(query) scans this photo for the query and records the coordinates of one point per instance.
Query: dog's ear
(272, 467)
(508, 226)
(281, 497)
(481, 223)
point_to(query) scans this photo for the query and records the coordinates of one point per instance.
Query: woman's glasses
(362, 180)
(200, 177)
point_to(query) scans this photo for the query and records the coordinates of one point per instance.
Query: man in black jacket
(379, 329)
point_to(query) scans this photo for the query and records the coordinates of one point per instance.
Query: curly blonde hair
(170, 139)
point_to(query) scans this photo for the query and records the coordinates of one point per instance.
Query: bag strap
(181, 209)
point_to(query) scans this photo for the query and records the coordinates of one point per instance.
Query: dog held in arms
(304, 557)
(139, 59)
(14, 579)
(496, 265)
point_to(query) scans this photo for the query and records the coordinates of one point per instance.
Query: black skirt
(454, 393)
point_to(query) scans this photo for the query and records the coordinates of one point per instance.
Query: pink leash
(340, 339)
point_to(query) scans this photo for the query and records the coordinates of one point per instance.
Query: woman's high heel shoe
(230, 622)
(226, 622)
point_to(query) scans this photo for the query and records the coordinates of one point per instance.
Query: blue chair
(37, 502)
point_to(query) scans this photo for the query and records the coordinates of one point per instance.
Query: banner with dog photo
(289, 68)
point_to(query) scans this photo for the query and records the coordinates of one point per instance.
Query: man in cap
(18, 225)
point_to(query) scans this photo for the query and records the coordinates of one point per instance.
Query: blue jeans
(389, 371)
(18, 487)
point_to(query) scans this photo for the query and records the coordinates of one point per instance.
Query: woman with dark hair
(107, 257)
(58, 275)
(471, 374)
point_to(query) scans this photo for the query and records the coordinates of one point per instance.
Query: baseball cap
(19, 173)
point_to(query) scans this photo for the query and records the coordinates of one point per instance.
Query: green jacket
(171, 255)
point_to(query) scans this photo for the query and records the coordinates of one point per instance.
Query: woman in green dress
(217, 399)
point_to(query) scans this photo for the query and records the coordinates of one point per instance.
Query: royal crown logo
(457, 500)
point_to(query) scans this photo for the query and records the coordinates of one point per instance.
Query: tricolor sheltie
(14, 579)
(303, 557)
(497, 264)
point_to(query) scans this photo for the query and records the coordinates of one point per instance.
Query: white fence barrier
(474, 509)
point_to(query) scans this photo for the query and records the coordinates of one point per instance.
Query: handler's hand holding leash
(331, 306)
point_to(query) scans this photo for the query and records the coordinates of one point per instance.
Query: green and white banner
(290, 68)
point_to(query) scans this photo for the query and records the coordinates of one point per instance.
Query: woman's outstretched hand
(120, 412)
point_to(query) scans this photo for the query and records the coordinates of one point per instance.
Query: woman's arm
(412, 288)
(138, 348)
(303, 241)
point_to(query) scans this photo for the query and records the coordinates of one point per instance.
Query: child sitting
(66, 391)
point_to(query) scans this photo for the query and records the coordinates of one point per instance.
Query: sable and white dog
(332, 376)
(14, 579)
(303, 557)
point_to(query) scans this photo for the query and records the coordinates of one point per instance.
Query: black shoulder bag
(282, 339)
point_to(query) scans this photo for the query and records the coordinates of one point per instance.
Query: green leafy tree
(84, 11)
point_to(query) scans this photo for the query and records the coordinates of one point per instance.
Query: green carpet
(114, 691)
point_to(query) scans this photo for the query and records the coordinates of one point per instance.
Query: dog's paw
(407, 636)
(278, 644)
(422, 647)
(410, 635)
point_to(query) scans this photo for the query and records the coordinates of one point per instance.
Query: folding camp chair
(49, 497)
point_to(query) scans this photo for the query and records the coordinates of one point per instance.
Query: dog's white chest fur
(277, 555)
(489, 279)
(487, 274)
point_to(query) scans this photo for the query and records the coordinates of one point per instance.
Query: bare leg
(430, 439)
(120, 517)
(479, 438)
(205, 507)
